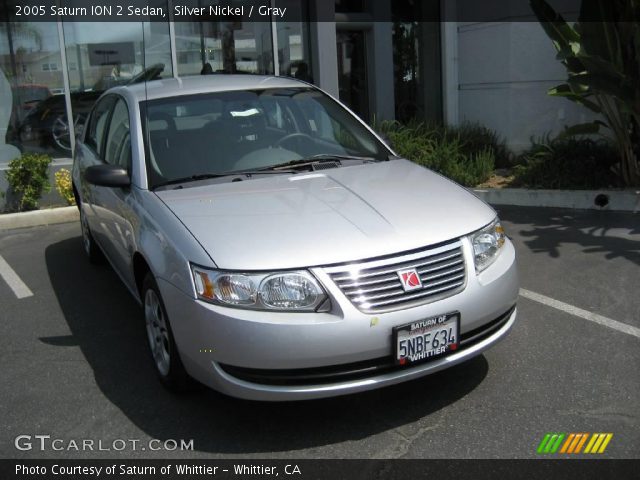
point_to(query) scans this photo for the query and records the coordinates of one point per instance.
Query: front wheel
(161, 343)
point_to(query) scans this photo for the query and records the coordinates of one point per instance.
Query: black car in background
(45, 126)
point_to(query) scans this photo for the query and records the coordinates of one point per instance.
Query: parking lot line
(579, 312)
(13, 280)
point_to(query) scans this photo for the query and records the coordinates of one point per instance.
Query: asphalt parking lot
(75, 363)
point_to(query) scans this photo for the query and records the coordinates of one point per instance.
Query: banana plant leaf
(603, 84)
(565, 90)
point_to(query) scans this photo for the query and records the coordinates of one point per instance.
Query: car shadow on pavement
(106, 323)
(546, 229)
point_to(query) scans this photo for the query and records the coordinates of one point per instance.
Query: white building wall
(504, 71)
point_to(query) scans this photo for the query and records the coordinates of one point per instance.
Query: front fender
(165, 243)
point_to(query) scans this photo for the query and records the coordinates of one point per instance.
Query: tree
(601, 53)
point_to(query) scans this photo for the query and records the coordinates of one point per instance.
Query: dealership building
(386, 59)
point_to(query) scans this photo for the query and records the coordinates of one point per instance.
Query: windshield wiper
(205, 176)
(320, 158)
(278, 168)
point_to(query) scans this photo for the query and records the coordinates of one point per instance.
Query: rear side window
(98, 124)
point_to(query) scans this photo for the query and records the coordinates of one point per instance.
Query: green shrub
(446, 150)
(28, 178)
(477, 138)
(567, 163)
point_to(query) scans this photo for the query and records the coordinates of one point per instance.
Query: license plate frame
(422, 328)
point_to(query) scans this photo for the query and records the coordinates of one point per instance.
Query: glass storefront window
(30, 77)
(101, 56)
(294, 58)
(98, 56)
(33, 109)
(223, 47)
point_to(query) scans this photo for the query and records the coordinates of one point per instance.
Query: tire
(61, 134)
(91, 249)
(162, 345)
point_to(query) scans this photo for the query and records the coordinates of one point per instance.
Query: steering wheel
(293, 136)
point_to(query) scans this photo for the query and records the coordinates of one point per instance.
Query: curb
(38, 217)
(607, 200)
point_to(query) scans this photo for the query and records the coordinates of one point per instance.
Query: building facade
(494, 73)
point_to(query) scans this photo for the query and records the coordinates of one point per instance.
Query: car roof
(172, 87)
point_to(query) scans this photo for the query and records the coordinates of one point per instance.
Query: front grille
(373, 286)
(356, 370)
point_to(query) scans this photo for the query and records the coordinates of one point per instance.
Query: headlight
(291, 291)
(487, 244)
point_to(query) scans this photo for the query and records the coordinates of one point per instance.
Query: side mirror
(107, 176)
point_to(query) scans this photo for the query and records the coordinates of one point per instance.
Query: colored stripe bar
(543, 443)
(567, 443)
(596, 445)
(607, 439)
(554, 449)
(594, 437)
(577, 438)
(581, 443)
(550, 443)
(572, 443)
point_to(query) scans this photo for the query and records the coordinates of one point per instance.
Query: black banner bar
(295, 11)
(318, 469)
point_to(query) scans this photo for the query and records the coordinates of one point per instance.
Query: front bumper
(240, 352)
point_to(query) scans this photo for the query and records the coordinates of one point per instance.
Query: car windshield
(225, 132)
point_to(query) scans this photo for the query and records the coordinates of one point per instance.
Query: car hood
(325, 217)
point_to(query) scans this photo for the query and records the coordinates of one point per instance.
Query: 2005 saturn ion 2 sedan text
(279, 248)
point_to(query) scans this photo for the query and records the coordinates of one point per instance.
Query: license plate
(428, 338)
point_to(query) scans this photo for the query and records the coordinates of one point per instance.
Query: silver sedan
(279, 248)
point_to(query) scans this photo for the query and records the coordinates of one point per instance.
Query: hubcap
(60, 133)
(157, 332)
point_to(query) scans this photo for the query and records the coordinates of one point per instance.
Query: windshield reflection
(220, 132)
